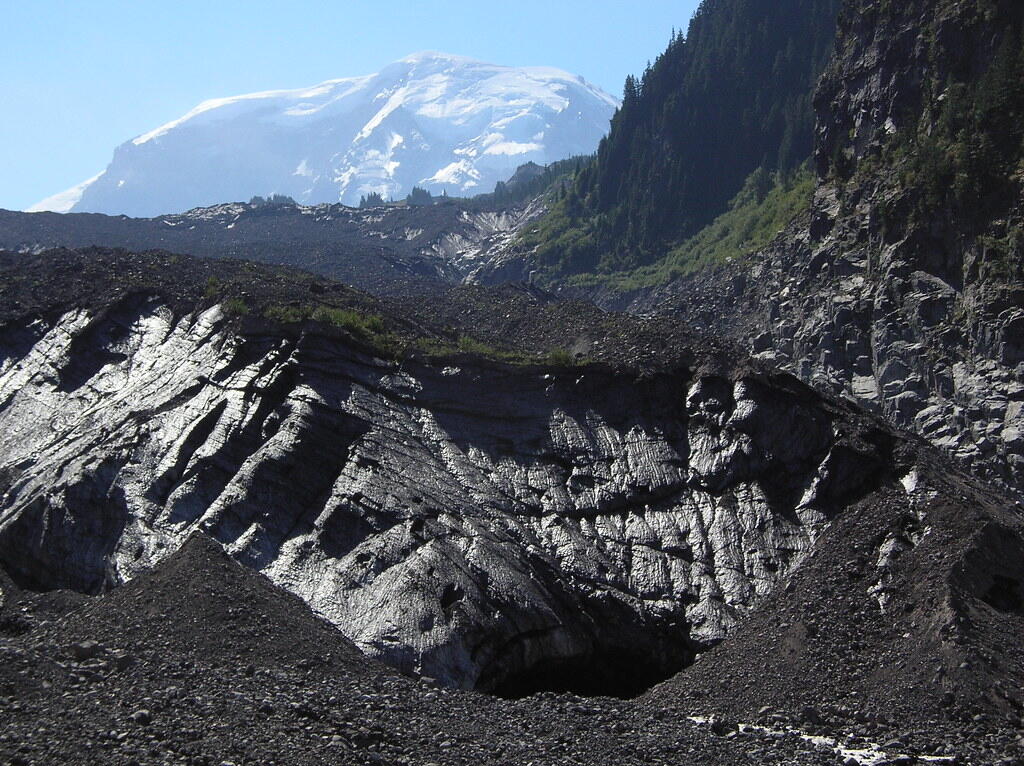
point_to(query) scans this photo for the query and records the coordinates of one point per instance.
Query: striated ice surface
(454, 521)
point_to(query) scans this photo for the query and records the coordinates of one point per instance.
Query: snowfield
(447, 123)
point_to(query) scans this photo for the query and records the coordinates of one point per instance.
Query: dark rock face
(872, 294)
(471, 523)
(934, 359)
(896, 313)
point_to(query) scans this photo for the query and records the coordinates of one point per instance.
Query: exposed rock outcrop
(908, 304)
(882, 302)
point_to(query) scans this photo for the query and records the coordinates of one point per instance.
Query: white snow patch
(63, 202)
(395, 102)
(458, 173)
(448, 58)
(512, 148)
(910, 481)
(249, 99)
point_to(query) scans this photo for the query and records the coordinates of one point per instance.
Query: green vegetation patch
(559, 357)
(366, 326)
(442, 348)
(756, 215)
(236, 307)
(763, 208)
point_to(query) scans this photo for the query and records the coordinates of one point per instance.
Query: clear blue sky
(82, 76)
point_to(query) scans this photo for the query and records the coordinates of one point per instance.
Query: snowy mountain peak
(437, 56)
(443, 122)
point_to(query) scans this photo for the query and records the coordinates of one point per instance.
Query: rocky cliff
(912, 304)
(900, 287)
(914, 308)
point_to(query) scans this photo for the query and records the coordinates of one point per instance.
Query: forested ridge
(731, 96)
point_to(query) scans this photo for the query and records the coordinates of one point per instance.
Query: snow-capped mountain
(445, 123)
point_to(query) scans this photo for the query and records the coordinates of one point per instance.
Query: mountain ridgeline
(733, 95)
(443, 123)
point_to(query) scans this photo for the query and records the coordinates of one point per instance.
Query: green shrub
(213, 287)
(235, 307)
(432, 346)
(286, 314)
(364, 325)
(762, 209)
(470, 345)
(559, 357)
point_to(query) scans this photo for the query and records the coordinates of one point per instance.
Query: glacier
(447, 123)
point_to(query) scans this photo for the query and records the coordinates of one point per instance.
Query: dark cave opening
(622, 674)
(1004, 595)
